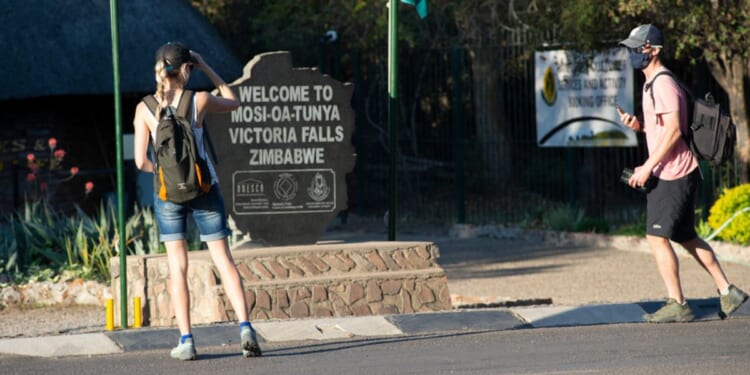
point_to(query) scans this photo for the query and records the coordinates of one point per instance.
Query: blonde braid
(161, 73)
(161, 81)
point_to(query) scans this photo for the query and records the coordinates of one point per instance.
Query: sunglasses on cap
(642, 48)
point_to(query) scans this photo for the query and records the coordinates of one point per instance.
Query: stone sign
(283, 155)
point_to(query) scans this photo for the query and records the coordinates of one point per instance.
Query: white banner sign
(576, 99)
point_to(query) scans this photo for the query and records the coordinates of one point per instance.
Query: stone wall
(323, 280)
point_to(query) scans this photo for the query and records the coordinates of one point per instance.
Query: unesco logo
(249, 187)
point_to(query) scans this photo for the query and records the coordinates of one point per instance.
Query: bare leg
(222, 258)
(178, 264)
(704, 254)
(668, 265)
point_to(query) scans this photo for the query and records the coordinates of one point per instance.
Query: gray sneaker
(731, 301)
(249, 343)
(184, 351)
(671, 312)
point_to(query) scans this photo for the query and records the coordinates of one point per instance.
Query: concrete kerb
(455, 321)
(268, 331)
(60, 346)
(724, 251)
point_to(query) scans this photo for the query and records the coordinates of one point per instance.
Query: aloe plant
(41, 238)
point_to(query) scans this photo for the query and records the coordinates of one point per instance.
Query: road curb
(455, 321)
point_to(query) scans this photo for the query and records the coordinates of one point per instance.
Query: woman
(174, 63)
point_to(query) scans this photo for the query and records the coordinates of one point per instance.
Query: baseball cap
(644, 34)
(173, 54)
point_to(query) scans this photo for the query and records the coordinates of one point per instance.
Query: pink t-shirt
(668, 97)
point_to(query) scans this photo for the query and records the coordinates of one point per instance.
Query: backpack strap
(682, 87)
(186, 102)
(679, 83)
(183, 110)
(152, 104)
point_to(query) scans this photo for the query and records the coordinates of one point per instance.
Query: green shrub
(42, 238)
(593, 225)
(571, 219)
(732, 201)
(39, 240)
(8, 250)
(563, 218)
(703, 229)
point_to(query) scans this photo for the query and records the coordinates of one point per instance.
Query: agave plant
(141, 232)
(8, 250)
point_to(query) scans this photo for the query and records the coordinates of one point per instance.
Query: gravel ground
(52, 320)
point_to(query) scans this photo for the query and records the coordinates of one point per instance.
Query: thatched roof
(61, 47)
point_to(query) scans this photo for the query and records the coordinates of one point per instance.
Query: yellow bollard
(110, 319)
(136, 312)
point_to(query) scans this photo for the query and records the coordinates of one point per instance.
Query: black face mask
(639, 60)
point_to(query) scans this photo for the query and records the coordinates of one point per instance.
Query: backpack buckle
(710, 99)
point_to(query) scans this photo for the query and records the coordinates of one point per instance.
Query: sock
(724, 292)
(183, 338)
(245, 324)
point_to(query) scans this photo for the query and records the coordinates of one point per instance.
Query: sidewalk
(502, 283)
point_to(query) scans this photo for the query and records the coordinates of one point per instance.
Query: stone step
(297, 281)
(331, 260)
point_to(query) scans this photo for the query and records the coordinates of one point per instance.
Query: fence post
(458, 139)
(359, 143)
(570, 169)
(707, 190)
(323, 57)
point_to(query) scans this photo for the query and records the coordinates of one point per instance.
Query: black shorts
(670, 208)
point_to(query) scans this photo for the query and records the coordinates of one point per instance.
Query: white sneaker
(184, 351)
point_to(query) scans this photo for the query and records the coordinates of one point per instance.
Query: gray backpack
(711, 135)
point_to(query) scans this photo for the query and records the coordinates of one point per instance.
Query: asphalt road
(711, 347)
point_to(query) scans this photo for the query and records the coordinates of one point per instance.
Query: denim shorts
(207, 211)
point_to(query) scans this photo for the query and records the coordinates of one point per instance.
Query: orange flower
(52, 142)
(74, 170)
(30, 157)
(89, 187)
(59, 154)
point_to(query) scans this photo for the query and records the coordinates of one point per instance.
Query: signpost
(576, 97)
(284, 154)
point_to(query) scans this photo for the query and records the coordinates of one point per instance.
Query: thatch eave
(63, 47)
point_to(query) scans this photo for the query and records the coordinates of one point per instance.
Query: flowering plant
(45, 175)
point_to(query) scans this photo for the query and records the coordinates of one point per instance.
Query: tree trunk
(738, 110)
(731, 77)
(489, 120)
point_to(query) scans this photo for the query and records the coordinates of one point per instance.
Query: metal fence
(468, 150)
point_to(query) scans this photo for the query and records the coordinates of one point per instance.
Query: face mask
(638, 60)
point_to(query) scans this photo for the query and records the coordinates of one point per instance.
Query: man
(671, 176)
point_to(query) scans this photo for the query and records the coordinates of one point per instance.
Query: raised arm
(226, 102)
